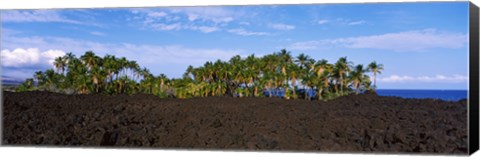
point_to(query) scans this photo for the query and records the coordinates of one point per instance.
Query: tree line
(274, 75)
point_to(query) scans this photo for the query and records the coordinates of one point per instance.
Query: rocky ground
(355, 123)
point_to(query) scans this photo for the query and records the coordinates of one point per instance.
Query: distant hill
(7, 80)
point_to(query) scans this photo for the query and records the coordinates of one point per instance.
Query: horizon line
(416, 89)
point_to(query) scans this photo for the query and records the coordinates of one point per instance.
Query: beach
(353, 123)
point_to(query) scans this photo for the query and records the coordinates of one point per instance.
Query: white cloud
(396, 78)
(157, 14)
(166, 27)
(97, 33)
(57, 43)
(244, 32)
(50, 55)
(30, 57)
(172, 54)
(158, 56)
(35, 16)
(205, 29)
(356, 22)
(321, 22)
(281, 26)
(426, 79)
(179, 26)
(203, 19)
(46, 16)
(409, 41)
(20, 57)
(349, 22)
(212, 14)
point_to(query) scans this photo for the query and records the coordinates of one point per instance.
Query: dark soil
(355, 123)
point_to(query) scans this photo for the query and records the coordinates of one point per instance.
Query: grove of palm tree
(274, 75)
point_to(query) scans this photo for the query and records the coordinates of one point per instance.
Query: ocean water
(449, 95)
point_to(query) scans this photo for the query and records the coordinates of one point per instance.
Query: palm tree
(308, 80)
(29, 83)
(68, 57)
(96, 74)
(366, 83)
(90, 59)
(40, 77)
(253, 71)
(82, 84)
(51, 79)
(325, 76)
(109, 66)
(162, 79)
(285, 59)
(134, 69)
(303, 61)
(268, 79)
(279, 81)
(123, 65)
(147, 79)
(342, 67)
(294, 73)
(357, 77)
(322, 69)
(375, 68)
(219, 88)
(190, 71)
(73, 66)
(60, 63)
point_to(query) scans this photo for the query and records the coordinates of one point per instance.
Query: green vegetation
(273, 75)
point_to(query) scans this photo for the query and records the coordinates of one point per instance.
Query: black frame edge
(473, 98)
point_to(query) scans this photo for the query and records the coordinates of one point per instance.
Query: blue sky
(421, 45)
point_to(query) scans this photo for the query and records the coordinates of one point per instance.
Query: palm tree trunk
(320, 93)
(248, 88)
(308, 93)
(269, 91)
(161, 86)
(96, 88)
(305, 91)
(341, 83)
(357, 86)
(294, 90)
